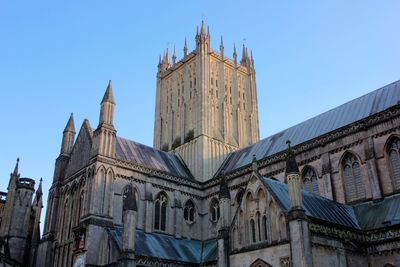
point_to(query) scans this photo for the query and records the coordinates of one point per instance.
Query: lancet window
(214, 210)
(353, 179)
(189, 211)
(394, 158)
(160, 211)
(310, 181)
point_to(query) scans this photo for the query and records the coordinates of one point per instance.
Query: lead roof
(350, 112)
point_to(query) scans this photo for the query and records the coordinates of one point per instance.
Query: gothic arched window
(310, 181)
(393, 152)
(160, 211)
(352, 177)
(189, 211)
(214, 210)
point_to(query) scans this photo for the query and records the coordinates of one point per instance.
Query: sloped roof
(355, 110)
(170, 248)
(375, 215)
(314, 205)
(150, 157)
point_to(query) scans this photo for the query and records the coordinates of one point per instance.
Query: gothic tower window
(214, 210)
(394, 158)
(189, 211)
(160, 211)
(353, 179)
(310, 181)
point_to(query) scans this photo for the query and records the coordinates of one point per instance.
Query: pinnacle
(291, 164)
(70, 127)
(16, 168)
(202, 31)
(108, 96)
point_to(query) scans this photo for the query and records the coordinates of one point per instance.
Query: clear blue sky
(56, 57)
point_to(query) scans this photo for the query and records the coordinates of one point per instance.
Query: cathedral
(324, 192)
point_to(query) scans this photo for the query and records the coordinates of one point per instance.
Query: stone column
(127, 257)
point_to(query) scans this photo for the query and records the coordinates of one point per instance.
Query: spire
(221, 47)
(130, 200)
(197, 30)
(244, 55)
(167, 56)
(39, 191)
(107, 106)
(251, 57)
(108, 95)
(70, 127)
(174, 57)
(291, 164)
(185, 48)
(159, 60)
(202, 31)
(68, 136)
(234, 54)
(15, 173)
(13, 177)
(208, 30)
(224, 189)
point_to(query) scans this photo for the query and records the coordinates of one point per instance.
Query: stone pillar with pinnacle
(300, 240)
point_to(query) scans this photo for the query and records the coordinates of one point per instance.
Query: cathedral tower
(206, 105)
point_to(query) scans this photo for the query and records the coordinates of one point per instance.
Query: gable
(81, 151)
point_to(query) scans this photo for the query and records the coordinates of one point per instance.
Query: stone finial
(130, 200)
(108, 95)
(291, 164)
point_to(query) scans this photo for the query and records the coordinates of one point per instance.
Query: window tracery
(189, 211)
(394, 158)
(160, 211)
(353, 179)
(310, 181)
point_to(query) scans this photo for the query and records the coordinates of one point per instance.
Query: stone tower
(206, 105)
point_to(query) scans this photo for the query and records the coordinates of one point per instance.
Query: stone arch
(260, 263)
